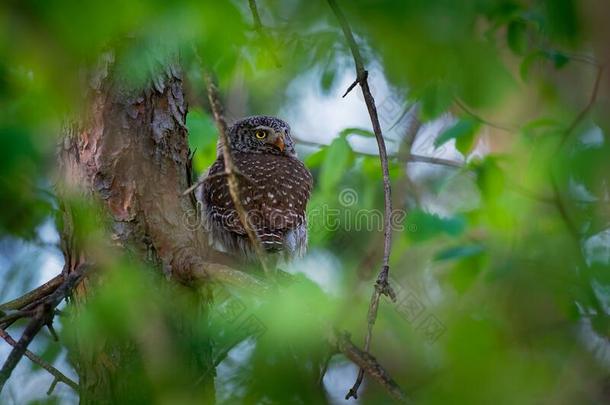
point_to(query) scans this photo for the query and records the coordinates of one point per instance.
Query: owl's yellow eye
(260, 134)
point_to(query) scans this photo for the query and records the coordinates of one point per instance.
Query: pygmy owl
(274, 187)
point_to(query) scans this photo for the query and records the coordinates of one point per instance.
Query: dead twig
(34, 295)
(11, 317)
(44, 313)
(382, 285)
(231, 170)
(59, 376)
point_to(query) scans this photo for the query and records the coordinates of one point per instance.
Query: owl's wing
(217, 201)
(279, 193)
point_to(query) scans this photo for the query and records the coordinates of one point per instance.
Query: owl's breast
(273, 189)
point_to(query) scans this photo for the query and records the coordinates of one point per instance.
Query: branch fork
(361, 77)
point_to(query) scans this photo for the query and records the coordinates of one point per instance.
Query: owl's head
(261, 134)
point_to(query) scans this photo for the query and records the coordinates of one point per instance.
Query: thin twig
(434, 160)
(382, 285)
(13, 316)
(583, 113)
(44, 313)
(59, 376)
(231, 170)
(410, 158)
(468, 111)
(33, 327)
(559, 203)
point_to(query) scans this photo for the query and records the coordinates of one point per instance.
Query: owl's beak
(279, 142)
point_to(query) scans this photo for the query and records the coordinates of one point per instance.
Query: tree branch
(227, 275)
(382, 285)
(369, 365)
(59, 376)
(44, 313)
(34, 295)
(410, 158)
(231, 170)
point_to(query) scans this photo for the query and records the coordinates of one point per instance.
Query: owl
(274, 188)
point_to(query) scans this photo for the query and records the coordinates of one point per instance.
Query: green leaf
(202, 139)
(467, 267)
(562, 17)
(534, 127)
(526, 64)
(490, 178)
(316, 159)
(357, 131)
(464, 134)
(421, 225)
(327, 79)
(516, 36)
(459, 252)
(339, 157)
(559, 59)
(435, 99)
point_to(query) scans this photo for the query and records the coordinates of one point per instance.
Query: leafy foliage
(500, 266)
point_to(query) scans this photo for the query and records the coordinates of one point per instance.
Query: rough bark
(129, 151)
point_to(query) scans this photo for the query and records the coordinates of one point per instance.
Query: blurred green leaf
(459, 252)
(357, 131)
(516, 35)
(463, 132)
(559, 59)
(202, 139)
(23, 198)
(562, 18)
(435, 99)
(421, 225)
(490, 178)
(538, 126)
(339, 157)
(327, 79)
(528, 62)
(315, 160)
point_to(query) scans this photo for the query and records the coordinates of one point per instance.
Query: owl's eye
(260, 134)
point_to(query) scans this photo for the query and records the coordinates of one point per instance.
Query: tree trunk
(129, 151)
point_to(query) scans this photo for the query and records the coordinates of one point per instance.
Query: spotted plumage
(274, 187)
